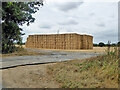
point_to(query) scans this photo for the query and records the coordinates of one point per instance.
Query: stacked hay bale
(84, 42)
(79, 42)
(90, 42)
(60, 41)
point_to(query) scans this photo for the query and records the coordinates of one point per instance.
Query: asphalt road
(50, 56)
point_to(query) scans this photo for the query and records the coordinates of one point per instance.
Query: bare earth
(34, 76)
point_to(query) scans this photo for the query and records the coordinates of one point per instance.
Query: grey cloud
(69, 30)
(104, 36)
(100, 24)
(112, 16)
(69, 22)
(109, 34)
(45, 26)
(68, 6)
(57, 16)
(92, 14)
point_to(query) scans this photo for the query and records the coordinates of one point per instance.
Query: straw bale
(60, 41)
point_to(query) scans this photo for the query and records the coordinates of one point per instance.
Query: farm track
(49, 57)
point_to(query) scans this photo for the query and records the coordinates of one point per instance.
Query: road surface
(50, 56)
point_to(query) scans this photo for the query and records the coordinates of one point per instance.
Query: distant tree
(118, 43)
(108, 44)
(15, 14)
(95, 45)
(101, 44)
(23, 43)
(113, 44)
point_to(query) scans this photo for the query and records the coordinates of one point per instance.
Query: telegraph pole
(58, 32)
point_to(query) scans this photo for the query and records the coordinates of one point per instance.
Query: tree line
(101, 44)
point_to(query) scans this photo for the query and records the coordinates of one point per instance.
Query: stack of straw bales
(60, 41)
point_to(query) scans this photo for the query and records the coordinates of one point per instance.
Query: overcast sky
(99, 19)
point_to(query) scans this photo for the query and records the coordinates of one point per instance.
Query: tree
(113, 44)
(95, 45)
(15, 14)
(118, 44)
(101, 44)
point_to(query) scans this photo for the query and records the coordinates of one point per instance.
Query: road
(50, 56)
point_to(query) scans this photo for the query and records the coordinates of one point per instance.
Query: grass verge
(95, 72)
(21, 52)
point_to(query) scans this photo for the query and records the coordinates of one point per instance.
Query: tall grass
(95, 72)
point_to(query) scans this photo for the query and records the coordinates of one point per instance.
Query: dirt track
(28, 77)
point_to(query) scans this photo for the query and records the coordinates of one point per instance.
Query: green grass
(95, 72)
(22, 52)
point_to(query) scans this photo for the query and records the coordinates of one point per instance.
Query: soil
(34, 76)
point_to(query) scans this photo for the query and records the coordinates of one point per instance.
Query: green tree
(95, 45)
(15, 14)
(118, 44)
(101, 44)
(113, 44)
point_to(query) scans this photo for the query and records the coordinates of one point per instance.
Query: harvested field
(94, 50)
